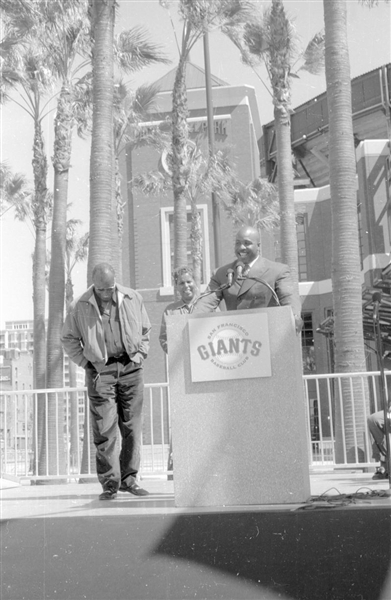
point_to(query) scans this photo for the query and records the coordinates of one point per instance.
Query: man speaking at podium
(251, 281)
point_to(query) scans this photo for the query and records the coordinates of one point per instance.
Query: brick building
(148, 249)
(147, 237)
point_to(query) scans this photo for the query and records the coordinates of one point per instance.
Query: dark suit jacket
(248, 292)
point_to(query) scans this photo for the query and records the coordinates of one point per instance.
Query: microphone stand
(276, 299)
(383, 393)
(221, 288)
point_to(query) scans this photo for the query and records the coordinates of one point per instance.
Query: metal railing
(46, 434)
(353, 394)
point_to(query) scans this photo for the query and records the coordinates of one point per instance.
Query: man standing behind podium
(187, 288)
(256, 281)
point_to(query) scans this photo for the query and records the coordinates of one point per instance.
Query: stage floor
(61, 542)
(24, 500)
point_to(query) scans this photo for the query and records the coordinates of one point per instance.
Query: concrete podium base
(243, 441)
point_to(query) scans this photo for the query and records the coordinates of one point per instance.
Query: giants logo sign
(234, 347)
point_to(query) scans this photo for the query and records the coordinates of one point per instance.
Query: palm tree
(65, 39)
(269, 38)
(102, 157)
(161, 181)
(58, 30)
(199, 16)
(25, 80)
(132, 51)
(76, 252)
(346, 269)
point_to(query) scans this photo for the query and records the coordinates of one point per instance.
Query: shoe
(380, 473)
(108, 495)
(133, 489)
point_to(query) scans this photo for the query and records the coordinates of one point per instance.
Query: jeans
(116, 405)
(376, 427)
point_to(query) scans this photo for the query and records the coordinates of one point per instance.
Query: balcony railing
(38, 443)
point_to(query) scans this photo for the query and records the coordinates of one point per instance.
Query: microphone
(376, 299)
(239, 269)
(230, 276)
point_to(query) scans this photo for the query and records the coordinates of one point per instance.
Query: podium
(238, 414)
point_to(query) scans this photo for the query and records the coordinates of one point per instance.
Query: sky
(369, 36)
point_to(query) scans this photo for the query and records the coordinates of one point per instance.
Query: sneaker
(133, 488)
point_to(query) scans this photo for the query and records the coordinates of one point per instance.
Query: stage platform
(61, 542)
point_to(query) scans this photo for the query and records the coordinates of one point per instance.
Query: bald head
(103, 278)
(247, 244)
(248, 231)
(102, 269)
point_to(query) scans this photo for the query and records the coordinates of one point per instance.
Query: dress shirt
(111, 325)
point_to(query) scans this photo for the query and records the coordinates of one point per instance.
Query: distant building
(19, 335)
(16, 374)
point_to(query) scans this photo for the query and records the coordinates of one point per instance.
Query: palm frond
(152, 183)
(371, 3)
(281, 38)
(256, 37)
(133, 50)
(82, 248)
(14, 193)
(204, 14)
(314, 55)
(145, 98)
(153, 136)
(254, 204)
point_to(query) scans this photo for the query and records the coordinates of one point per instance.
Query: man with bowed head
(107, 332)
(256, 281)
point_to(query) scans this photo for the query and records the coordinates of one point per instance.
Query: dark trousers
(377, 428)
(116, 404)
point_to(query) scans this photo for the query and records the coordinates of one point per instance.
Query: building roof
(371, 98)
(195, 78)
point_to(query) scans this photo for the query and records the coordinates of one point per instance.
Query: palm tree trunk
(179, 167)
(346, 270)
(115, 257)
(196, 243)
(39, 337)
(120, 211)
(40, 209)
(39, 292)
(101, 177)
(102, 153)
(55, 358)
(289, 253)
(74, 404)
